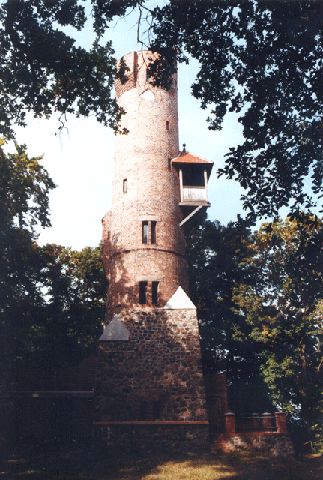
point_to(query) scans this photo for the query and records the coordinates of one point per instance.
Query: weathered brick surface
(130, 267)
(157, 373)
(143, 158)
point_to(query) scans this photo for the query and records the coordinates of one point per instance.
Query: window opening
(143, 292)
(193, 177)
(125, 185)
(154, 293)
(153, 232)
(144, 231)
(167, 125)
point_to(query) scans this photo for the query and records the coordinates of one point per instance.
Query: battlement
(137, 63)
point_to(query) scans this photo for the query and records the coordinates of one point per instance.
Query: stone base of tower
(150, 380)
(152, 435)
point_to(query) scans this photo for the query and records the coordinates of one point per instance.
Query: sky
(80, 158)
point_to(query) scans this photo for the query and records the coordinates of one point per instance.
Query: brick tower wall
(154, 372)
(142, 160)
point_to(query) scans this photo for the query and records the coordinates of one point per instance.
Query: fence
(266, 422)
(56, 417)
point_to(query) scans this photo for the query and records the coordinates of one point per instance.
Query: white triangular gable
(180, 300)
(115, 330)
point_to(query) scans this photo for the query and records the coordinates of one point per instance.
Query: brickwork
(149, 356)
(126, 270)
(157, 373)
(145, 188)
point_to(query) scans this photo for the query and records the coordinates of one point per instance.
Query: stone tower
(150, 368)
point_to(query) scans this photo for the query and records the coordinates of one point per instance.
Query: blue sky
(80, 158)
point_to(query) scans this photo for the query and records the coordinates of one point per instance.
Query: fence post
(281, 422)
(255, 421)
(266, 421)
(230, 423)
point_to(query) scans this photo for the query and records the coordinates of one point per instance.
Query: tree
(283, 310)
(42, 70)
(216, 254)
(24, 188)
(64, 326)
(259, 58)
(263, 60)
(51, 298)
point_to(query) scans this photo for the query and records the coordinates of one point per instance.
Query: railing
(191, 194)
(265, 422)
(256, 422)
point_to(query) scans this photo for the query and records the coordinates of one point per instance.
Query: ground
(88, 464)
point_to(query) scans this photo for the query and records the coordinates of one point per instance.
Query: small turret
(194, 173)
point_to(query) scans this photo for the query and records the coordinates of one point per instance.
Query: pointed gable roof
(180, 300)
(115, 330)
(189, 158)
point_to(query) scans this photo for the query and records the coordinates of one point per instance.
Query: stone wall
(148, 436)
(157, 373)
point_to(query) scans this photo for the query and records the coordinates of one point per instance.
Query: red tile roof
(187, 157)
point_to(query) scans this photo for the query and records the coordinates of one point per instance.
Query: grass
(89, 465)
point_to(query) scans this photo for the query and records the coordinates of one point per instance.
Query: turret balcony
(194, 195)
(193, 175)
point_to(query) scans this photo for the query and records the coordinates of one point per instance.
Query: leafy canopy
(263, 60)
(259, 58)
(42, 70)
(217, 254)
(283, 310)
(51, 298)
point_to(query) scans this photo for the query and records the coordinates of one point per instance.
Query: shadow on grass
(90, 464)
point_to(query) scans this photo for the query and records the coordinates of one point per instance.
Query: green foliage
(42, 70)
(259, 298)
(51, 297)
(24, 189)
(283, 310)
(64, 326)
(216, 254)
(261, 59)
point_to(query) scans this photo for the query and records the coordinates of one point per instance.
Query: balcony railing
(193, 194)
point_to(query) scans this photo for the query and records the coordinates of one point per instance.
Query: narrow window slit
(153, 232)
(154, 293)
(144, 231)
(143, 292)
